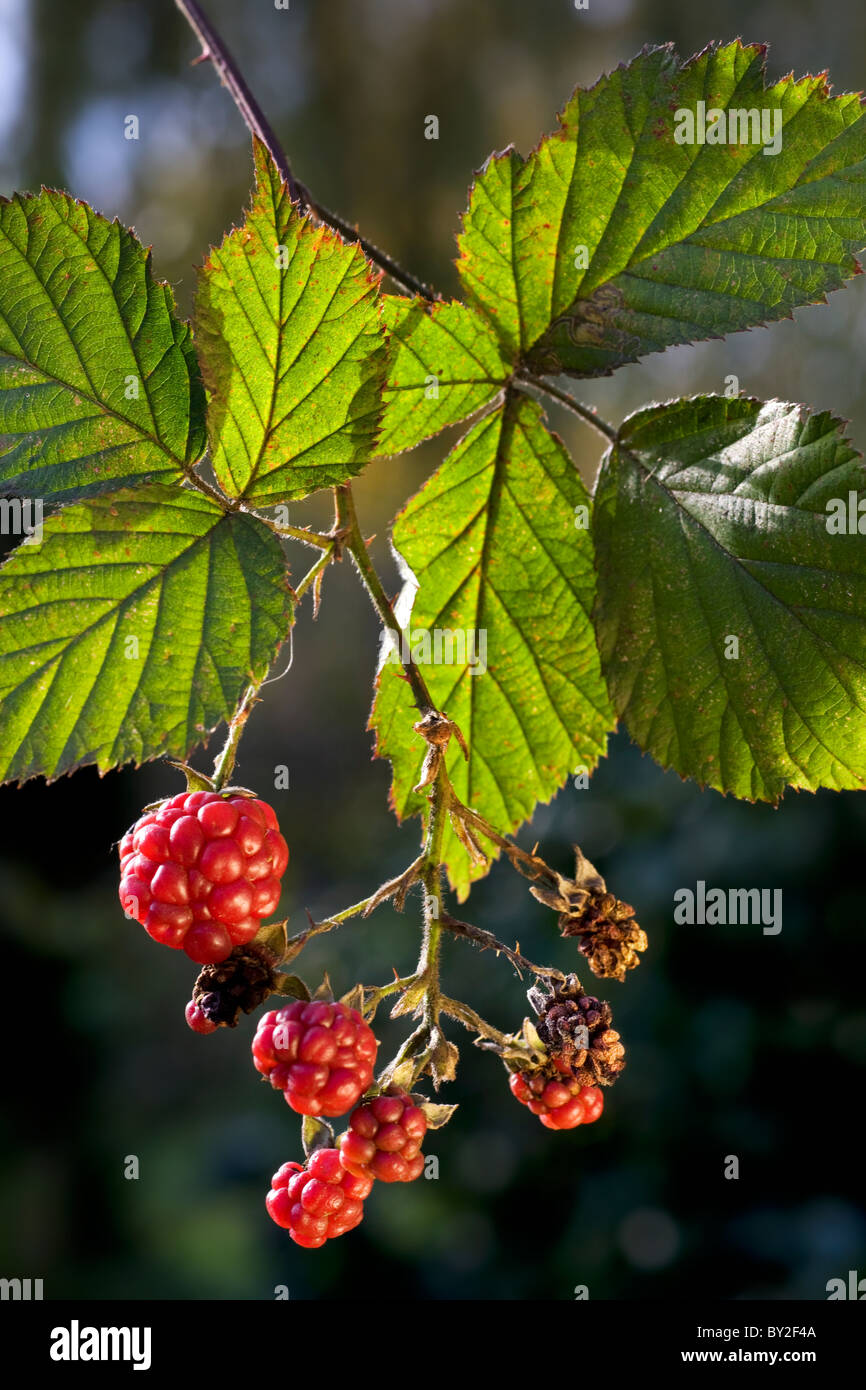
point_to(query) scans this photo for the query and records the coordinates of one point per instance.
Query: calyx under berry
(237, 985)
(576, 1031)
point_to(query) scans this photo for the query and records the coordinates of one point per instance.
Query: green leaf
(490, 264)
(711, 523)
(612, 240)
(354, 998)
(98, 379)
(292, 986)
(436, 1115)
(409, 1000)
(195, 781)
(446, 364)
(202, 592)
(315, 1134)
(291, 349)
(493, 541)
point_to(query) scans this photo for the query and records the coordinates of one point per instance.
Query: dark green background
(738, 1043)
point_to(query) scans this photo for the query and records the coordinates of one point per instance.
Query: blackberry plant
(709, 593)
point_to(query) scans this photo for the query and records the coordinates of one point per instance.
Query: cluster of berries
(583, 1053)
(325, 1198)
(200, 872)
(561, 1104)
(321, 1056)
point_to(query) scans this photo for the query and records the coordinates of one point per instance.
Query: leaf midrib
(651, 477)
(136, 593)
(90, 395)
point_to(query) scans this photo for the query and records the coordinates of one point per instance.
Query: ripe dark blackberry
(319, 1201)
(202, 871)
(320, 1055)
(384, 1138)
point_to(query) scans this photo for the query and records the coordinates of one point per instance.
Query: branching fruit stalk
(431, 877)
(214, 50)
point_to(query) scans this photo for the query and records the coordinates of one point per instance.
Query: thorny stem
(487, 942)
(356, 910)
(214, 49)
(225, 503)
(357, 548)
(431, 877)
(315, 570)
(295, 533)
(528, 864)
(295, 944)
(225, 761)
(586, 412)
(403, 278)
(374, 996)
(455, 1009)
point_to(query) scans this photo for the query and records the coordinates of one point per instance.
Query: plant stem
(356, 910)
(213, 48)
(380, 992)
(295, 533)
(355, 544)
(585, 412)
(528, 864)
(315, 570)
(487, 942)
(470, 1019)
(225, 762)
(347, 532)
(403, 278)
(431, 877)
(226, 504)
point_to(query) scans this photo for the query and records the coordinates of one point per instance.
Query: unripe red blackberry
(198, 1020)
(320, 1055)
(560, 1104)
(317, 1202)
(384, 1138)
(202, 871)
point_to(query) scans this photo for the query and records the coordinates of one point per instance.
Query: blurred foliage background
(738, 1043)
